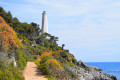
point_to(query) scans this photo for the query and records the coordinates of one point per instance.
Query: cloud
(3, 3)
(77, 7)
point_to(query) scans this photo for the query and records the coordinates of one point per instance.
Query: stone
(88, 72)
(81, 64)
(94, 67)
(114, 77)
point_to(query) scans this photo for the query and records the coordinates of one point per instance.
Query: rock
(88, 72)
(113, 77)
(94, 67)
(14, 62)
(81, 64)
(3, 57)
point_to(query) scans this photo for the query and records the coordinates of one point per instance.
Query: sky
(90, 29)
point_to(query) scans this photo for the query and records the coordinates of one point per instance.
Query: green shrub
(59, 58)
(50, 66)
(46, 44)
(53, 69)
(41, 48)
(33, 50)
(42, 64)
(22, 59)
(52, 46)
(72, 74)
(17, 74)
(74, 60)
(8, 72)
(45, 59)
(63, 54)
(50, 78)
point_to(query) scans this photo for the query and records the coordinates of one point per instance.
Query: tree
(6, 15)
(36, 26)
(16, 23)
(3, 13)
(9, 17)
(55, 40)
(63, 46)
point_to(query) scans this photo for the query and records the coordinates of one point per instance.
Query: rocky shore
(88, 72)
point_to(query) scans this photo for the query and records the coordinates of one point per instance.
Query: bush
(46, 44)
(22, 59)
(37, 62)
(53, 68)
(33, 50)
(50, 66)
(8, 72)
(42, 64)
(74, 60)
(59, 58)
(32, 53)
(71, 74)
(8, 37)
(44, 54)
(64, 54)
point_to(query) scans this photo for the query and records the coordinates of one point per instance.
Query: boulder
(113, 77)
(81, 64)
(94, 67)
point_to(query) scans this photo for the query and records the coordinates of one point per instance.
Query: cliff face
(88, 72)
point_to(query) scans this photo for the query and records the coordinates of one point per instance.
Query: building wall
(44, 23)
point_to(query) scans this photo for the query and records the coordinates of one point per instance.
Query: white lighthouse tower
(44, 23)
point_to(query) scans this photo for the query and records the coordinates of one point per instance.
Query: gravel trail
(31, 72)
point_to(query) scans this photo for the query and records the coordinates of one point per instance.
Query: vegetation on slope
(21, 28)
(8, 41)
(8, 72)
(28, 44)
(53, 63)
(12, 48)
(8, 37)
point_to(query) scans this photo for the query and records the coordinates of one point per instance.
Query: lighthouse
(44, 23)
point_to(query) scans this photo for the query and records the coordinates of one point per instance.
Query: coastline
(111, 68)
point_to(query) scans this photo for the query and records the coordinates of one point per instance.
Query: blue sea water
(112, 68)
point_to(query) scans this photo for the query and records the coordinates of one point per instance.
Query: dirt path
(31, 72)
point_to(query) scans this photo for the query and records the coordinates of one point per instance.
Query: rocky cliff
(88, 72)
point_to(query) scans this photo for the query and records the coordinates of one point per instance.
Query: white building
(44, 23)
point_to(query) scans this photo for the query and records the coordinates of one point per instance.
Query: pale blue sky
(90, 29)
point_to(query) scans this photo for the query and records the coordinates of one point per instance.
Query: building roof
(44, 11)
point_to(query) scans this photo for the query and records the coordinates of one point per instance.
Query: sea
(112, 68)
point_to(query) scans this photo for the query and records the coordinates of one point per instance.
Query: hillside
(9, 42)
(23, 42)
(8, 37)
